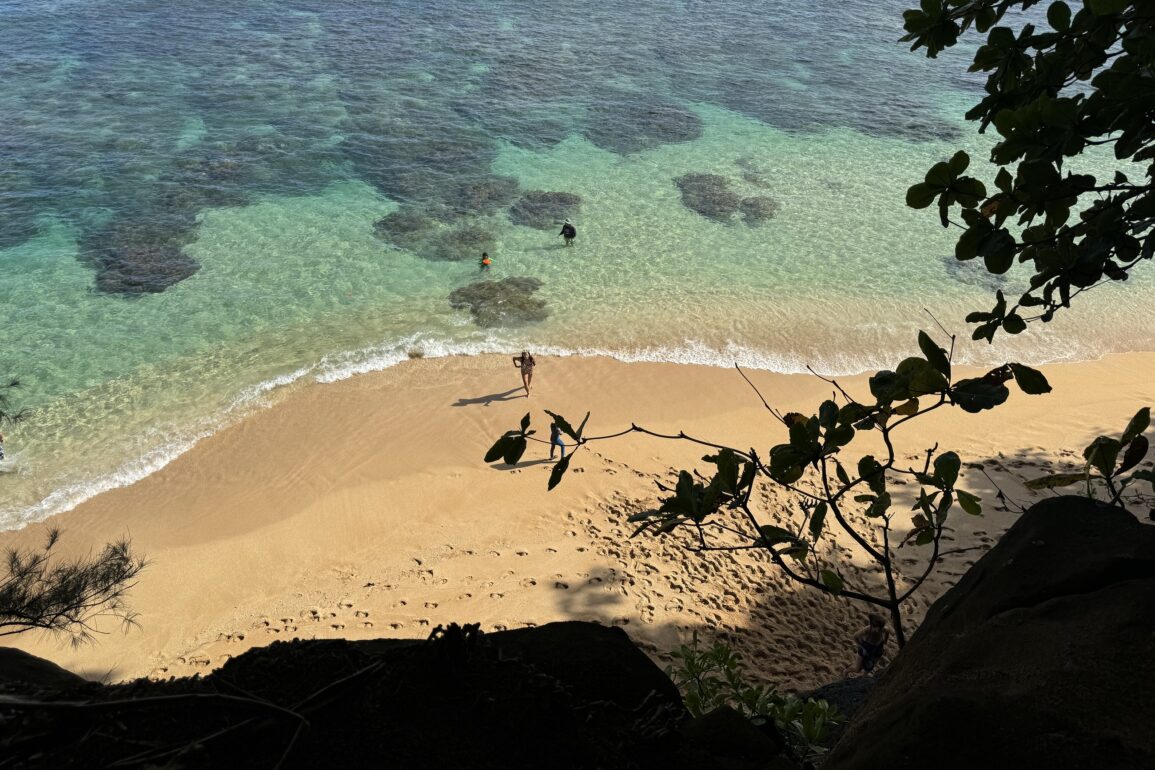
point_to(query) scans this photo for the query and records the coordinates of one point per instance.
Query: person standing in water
(526, 363)
(485, 262)
(569, 232)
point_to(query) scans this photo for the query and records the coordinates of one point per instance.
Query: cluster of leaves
(1083, 80)
(717, 509)
(1108, 459)
(714, 677)
(66, 596)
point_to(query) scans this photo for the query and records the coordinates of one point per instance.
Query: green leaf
(558, 471)
(1137, 425)
(1136, 451)
(920, 377)
(1055, 480)
(1102, 453)
(817, 519)
(959, 162)
(969, 502)
(498, 449)
(1030, 381)
(1059, 16)
(831, 580)
(514, 449)
(880, 506)
(907, 408)
(1014, 324)
(871, 473)
(946, 468)
(975, 395)
(921, 195)
(934, 354)
(772, 535)
(1107, 7)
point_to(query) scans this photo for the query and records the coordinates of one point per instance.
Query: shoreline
(361, 508)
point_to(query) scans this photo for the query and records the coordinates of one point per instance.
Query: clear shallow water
(258, 143)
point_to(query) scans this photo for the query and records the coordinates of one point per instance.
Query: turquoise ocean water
(189, 192)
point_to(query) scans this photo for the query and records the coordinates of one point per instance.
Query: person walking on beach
(526, 363)
(870, 643)
(555, 441)
(569, 232)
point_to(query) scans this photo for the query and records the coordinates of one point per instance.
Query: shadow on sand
(489, 399)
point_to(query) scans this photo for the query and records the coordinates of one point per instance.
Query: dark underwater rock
(544, 210)
(405, 227)
(483, 196)
(460, 244)
(631, 124)
(508, 302)
(709, 195)
(757, 209)
(141, 256)
(1037, 657)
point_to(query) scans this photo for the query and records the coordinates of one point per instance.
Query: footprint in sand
(337, 626)
(430, 605)
(561, 585)
(367, 624)
(360, 614)
(500, 627)
(528, 583)
(496, 596)
(551, 550)
(399, 603)
(465, 596)
(396, 626)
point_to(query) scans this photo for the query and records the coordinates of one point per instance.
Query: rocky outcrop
(508, 302)
(563, 695)
(544, 210)
(1041, 656)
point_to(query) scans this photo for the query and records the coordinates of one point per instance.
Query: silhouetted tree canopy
(1080, 79)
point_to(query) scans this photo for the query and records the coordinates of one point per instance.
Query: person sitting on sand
(569, 231)
(871, 643)
(555, 440)
(526, 363)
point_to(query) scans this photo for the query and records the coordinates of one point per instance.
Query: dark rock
(630, 123)
(33, 673)
(544, 210)
(405, 227)
(1036, 658)
(757, 209)
(727, 736)
(137, 257)
(709, 195)
(508, 302)
(483, 196)
(564, 695)
(460, 244)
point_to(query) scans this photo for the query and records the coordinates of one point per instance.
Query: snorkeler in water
(485, 262)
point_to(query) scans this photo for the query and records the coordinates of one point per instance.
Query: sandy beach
(363, 508)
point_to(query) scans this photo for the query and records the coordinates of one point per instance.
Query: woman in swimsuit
(526, 363)
(871, 643)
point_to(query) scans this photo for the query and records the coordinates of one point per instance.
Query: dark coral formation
(140, 256)
(757, 209)
(405, 227)
(544, 210)
(709, 195)
(630, 123)
(508, 302)
(460, 244)
(481, 197)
